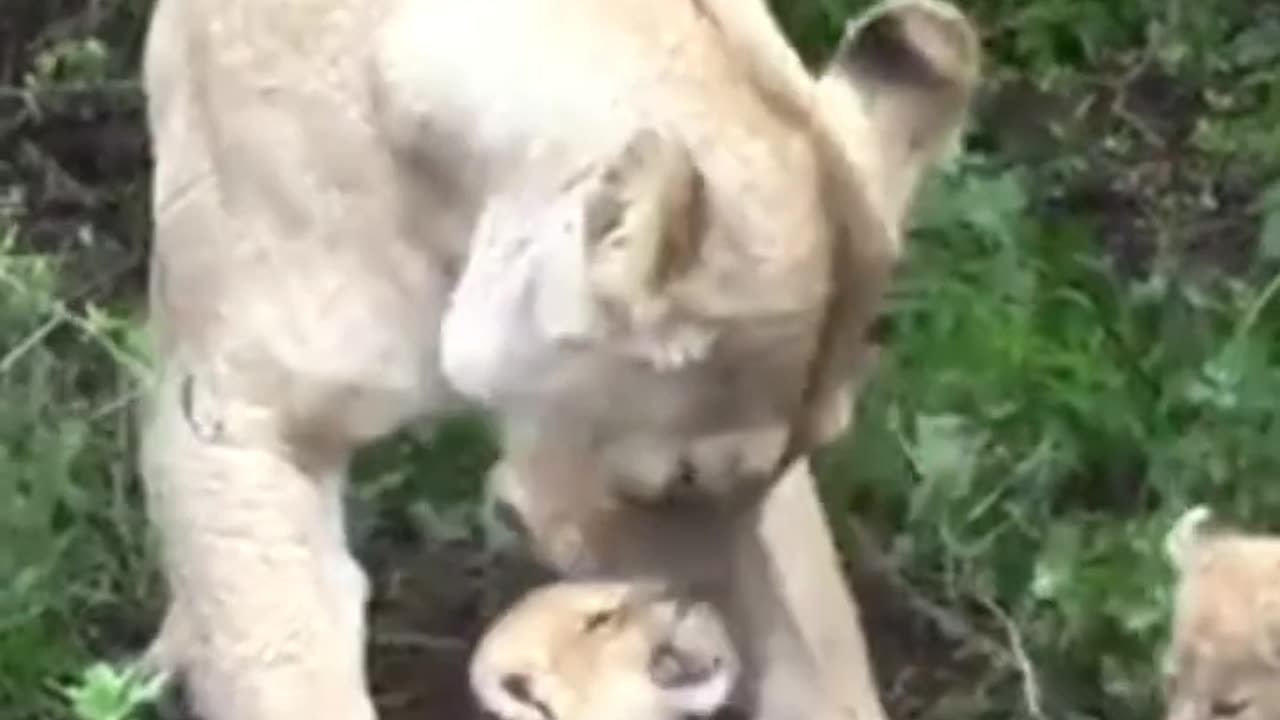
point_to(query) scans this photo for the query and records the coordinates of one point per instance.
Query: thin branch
(28, 343)
(1030, 686)
(136, 366)
(951, 624)
(418, 641)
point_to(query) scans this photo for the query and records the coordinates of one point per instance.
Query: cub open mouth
(694, 667)
(672, 668)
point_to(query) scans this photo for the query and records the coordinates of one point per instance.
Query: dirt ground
(430, 605)
(428, 608)
(431, 602)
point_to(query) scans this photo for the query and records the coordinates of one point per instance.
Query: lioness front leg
(267, 602)
(826, 655)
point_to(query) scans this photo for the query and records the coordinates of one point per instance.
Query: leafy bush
(105, 692)
(73, 551)
(1049, 405)
(1039, 421)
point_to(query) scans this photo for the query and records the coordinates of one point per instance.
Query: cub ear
(643, 222)
(1185, 533)
(910, 69)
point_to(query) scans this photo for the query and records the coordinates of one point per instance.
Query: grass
(1086, 343)
(1040, 421)
(72, 550)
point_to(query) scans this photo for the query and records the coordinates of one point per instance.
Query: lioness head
(1223, 662)
(698, 306)
(590, 650)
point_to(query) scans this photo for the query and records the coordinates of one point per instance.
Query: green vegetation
(1086, 342)
(106, 692)
(1087, 338)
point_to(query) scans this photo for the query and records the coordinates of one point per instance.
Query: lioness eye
(1228, 707)
(686, 474)
(598, 619)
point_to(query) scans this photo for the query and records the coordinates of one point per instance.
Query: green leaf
(106, 692)
(1269, 243)
(946, 451)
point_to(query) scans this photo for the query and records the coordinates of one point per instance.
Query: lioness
(593, 650)
(1223, 660)
(638, 232)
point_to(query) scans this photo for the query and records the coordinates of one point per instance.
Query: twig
(951, 624)
(121, 402)
(40, 102)
(1255, 309)
(1120, 98)
(1030, 686)
(419, 641)
(393, 700)
(957, 628)
(59, 310)
(108, 88)
(12, 357)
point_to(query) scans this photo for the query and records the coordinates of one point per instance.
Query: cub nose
(672, 667)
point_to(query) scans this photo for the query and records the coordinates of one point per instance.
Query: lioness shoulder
(1223, 659)
(576, 650)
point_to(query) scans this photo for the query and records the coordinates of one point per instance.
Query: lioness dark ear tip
(917, 42)
(963, 45)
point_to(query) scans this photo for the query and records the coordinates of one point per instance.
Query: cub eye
(1228, 707)
(517, 685)
(598, 619)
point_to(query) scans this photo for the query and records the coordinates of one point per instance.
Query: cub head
(691, 310)
(603, 649)
(1223, 661)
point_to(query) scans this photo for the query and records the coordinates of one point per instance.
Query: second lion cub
(1223, 661)
(588, 650)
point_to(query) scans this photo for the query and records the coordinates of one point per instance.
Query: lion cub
(604, 650)
(1223, 660)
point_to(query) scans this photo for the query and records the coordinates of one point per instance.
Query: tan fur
(638, 232)
(1224, 657)
(618, 650)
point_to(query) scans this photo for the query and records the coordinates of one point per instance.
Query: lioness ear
(643, 222)
(910, 68)
(889, 101)
(1187, 530)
